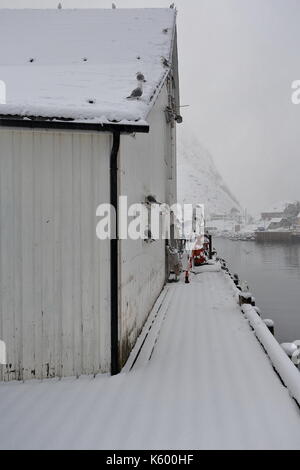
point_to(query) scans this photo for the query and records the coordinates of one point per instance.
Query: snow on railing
(281, 362)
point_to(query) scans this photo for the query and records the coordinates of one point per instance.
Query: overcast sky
(238, 59)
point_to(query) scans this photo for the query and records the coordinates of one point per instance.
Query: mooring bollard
(269, 324)
(222, 263)
(296, 355)
(293, 351)
(245, 298)
(258, 311)
(289, 348)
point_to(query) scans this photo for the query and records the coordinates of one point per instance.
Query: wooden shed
(72, 304)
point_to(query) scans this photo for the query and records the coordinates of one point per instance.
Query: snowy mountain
(198, 178)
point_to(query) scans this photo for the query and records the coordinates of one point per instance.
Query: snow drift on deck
(208, 385)
(55, 61)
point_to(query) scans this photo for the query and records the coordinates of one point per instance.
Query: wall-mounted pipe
(114, 248)
(114, 257)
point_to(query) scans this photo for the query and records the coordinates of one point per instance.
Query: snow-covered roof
(278, 207)
(275, 220)
(54, 62)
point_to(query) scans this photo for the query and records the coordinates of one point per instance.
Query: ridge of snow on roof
(55, 61)
(275, 220)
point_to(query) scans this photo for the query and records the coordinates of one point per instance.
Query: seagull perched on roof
(140, 77)
(114, 6)
(172, 5)
(138, 91)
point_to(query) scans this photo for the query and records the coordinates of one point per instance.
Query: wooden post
(210, 247)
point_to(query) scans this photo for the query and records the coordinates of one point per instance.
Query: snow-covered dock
(208, 384)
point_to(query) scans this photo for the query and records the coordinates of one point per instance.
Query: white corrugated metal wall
(146, 163)
(54, 272)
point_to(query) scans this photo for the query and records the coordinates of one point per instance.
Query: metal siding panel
(103, 256)
(24, 248)
(7, 263)
(47, 232)
(38, 250)
(96, 276)
(87, 234)
(54, 272)
(143, 169)
(17, 198)
(66, 254)
(57, 274)
(76, 215)
(96, 265)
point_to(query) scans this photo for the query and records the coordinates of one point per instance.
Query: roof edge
(168, 71)
(19, 122)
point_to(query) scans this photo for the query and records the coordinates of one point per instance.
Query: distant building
(233, 215)
(280, 223)
(275, 223)
(297, 222)
(283, 209)
(211, 229)
(268, 216)
(218, 217)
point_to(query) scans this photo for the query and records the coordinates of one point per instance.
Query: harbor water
(272, 271)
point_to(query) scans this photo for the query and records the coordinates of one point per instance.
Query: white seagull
(138, 91)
